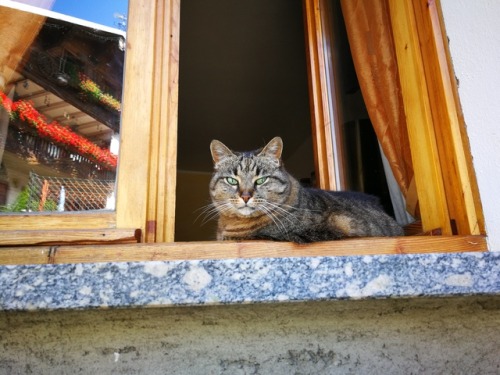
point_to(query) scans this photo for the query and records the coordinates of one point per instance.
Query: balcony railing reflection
(34, 150)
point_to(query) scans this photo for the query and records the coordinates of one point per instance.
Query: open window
(242, 80)
(400, 53)
(150, 172)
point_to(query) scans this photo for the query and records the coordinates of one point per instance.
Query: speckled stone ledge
(140, 284)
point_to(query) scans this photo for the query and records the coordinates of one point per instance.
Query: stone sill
(239, 281)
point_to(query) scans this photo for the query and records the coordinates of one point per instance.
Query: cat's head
(248, 183)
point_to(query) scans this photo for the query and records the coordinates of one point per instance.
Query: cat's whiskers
(208, 214)
(276, 213)
(204, 209)
(275, 207)
(271, 214)
(212, 210)
(281, 205)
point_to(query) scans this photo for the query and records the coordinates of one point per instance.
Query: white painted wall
(473, 28)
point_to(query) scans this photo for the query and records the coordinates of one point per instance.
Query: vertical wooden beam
(147, 170)
(333, 75)
(321, 121)
(154, 142)
(133, 168)
(424, 149)
(454, 152)
(163, 148)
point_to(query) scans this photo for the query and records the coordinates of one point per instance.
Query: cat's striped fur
(256, 198)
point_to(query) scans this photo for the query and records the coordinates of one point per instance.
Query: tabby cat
(256, 198)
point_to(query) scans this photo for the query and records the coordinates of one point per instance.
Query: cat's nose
(246, 196)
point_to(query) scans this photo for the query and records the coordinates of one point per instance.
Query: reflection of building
(64, 77)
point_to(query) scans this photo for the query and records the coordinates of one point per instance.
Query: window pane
(60, 104)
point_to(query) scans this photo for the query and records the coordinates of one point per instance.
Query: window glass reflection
(60, 104)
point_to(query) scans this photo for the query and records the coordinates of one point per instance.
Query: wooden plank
(170, 182)
(424, 151)
(154, 141)
(234, 250)
(168, 36)
(68, 236)
(454, 151)
(136, 116)
(160, 214)
(66, 220)
(26, 255)
(331, 52)
(318, 93)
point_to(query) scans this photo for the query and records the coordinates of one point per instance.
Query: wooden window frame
(444, 176)
(149, 104)
(147, 166)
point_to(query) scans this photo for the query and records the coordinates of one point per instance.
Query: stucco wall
(473, 30)
(438, 336)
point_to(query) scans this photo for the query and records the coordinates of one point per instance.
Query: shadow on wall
(192, 197)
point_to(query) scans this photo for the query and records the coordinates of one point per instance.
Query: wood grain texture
(233, 250)
(321, 121)
(68, 236)
(421, 132)
(163, 149)
(454, 152)
(134, 161)
(89, 220)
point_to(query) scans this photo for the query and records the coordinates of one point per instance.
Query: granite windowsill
(235, 281)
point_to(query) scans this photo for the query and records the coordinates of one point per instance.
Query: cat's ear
(219, 151)
(273, 149)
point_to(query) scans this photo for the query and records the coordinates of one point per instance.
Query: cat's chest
(236, 227)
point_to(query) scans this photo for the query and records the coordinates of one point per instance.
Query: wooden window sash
(147, 164)
(421, 131)
(462, 193)
(134, 154)
(445, 182)
(321, 111)
(160, 215)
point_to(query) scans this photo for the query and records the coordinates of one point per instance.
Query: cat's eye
(231, 181)
(260, 181)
